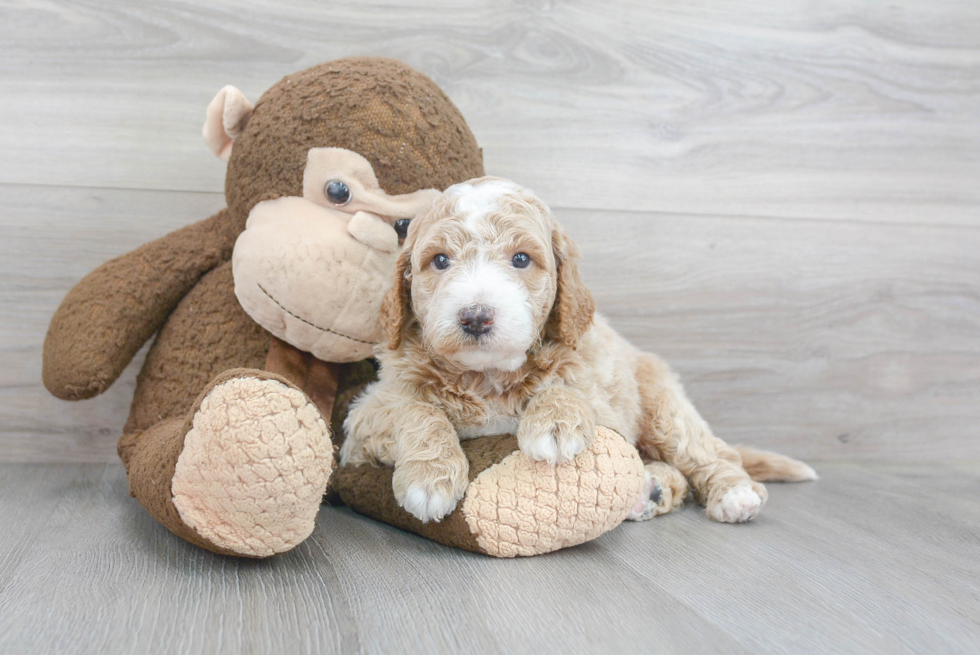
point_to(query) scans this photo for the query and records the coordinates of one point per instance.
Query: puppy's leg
(664, 490)
(557, 424)
(431, 471)
(672, 430)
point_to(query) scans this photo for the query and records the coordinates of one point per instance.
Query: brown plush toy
(264, 315)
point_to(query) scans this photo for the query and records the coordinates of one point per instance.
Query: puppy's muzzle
(476, 320)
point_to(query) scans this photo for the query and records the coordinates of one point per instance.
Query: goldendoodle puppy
(490, 330)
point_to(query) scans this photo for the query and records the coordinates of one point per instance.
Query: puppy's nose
(476, 319)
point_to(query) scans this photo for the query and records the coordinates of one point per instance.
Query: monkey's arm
(109, 315)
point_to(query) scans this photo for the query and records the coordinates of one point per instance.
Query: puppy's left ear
(397, 304)
(574, 308)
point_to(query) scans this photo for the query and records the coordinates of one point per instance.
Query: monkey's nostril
(476, 319)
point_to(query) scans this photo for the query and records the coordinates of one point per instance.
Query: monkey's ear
(227, 115)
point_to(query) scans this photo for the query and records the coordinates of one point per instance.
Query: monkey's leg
(243, 473)
(515, 506)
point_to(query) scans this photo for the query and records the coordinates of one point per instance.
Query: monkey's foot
(254, 467)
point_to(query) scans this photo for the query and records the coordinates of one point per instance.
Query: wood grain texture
(824, 340)
(818, 339)
(52, 237)
(873, 558)
(847, 109)
(781, 198)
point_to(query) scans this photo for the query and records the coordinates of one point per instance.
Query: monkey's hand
(109, 315)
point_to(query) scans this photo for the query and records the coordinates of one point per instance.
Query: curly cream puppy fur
(490, 330)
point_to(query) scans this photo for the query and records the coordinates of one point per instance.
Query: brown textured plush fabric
(353, 379)
(207, 333)
(317, 379)
(150, 459)
(111, 313)
(398, 119)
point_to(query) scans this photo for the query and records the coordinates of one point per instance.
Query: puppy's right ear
(574, 307)
(397, 304)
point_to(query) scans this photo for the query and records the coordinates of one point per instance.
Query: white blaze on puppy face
(476, 201)
(480, 231)
(479, 280)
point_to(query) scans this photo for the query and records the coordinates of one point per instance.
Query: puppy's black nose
(476, 319)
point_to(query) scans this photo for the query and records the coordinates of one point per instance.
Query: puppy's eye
(401, 227)
(337, 192)
(521, 260)
(441, 262)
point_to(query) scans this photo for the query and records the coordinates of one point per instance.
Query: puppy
(490, 330)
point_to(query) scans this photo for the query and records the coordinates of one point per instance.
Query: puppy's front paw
(426, 504)
(429, 492)
(555, 439)
(555, 447)
(738, 504)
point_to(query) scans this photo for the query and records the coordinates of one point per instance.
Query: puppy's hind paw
(659, 496)
(648, 505)
(741, 503)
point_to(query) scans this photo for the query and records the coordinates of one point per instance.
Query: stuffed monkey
(265, 313)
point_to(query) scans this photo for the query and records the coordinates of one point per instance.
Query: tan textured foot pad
(254, 467)
(521, 507)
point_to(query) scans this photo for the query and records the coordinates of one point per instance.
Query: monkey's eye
(441, 262)
(401, 227)
(521, 260)
(337, 192)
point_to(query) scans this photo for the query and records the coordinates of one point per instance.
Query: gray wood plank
(849, 109)
(839, 566)
(873, 558)
(780, 198)
(825, 340)
(52, 237)
(820, 339)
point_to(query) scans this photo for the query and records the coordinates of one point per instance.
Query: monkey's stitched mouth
(313, 325)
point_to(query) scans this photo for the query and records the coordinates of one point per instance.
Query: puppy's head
(485, 274)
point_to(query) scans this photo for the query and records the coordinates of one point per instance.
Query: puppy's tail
(764, 466)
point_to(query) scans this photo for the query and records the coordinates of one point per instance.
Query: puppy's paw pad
(652, 500)
(739, 504)
(427, 505)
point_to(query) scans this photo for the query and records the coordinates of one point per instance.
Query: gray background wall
(781, 198)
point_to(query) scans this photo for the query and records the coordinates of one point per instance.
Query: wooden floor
(874, 558)
(782, 197)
